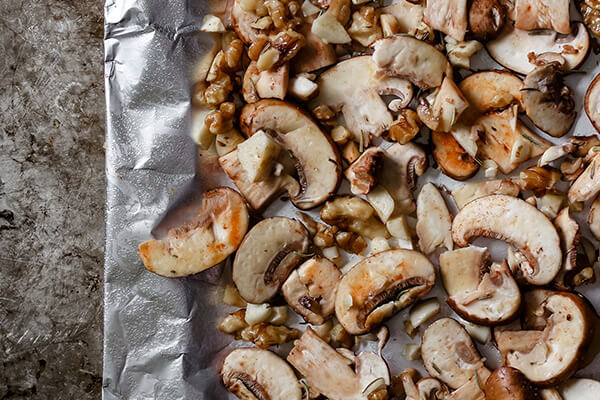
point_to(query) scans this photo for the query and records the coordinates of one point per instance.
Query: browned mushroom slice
(450, 355)
(551, 347)
(548, 101)
(434, 223)
(310, 289)
(330, 373)
(362, 173)
(491, 90)
(518, 223)
(316, 157)
(569, 232)
(253, 374)
(215, 232)
(449, 17)
(594, 218)
(547, 14)
(592, 102)
(381, 285)
(588, 184)
(487, 19)
(452, 158)
(353, 214)
(507, 383)
(468, 192)
(269, 252)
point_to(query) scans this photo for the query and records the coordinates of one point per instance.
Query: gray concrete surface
(51, 199)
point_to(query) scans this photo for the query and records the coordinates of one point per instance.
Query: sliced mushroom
(507, 383)
(430, 389)
(594, 218)
(381, 285)
(592, 102)
(362, 174)
(536, 14)
(316, 157)
(452, 157)
(487, 19)
(310, 289)
(518, 223)
(448, 106)
(468, 192)
(588, 184)
(211, 236)
(355, 215)
(449, 17)
(353, 88)
(269, 252)
(409, 16)
(556, 152)
(330, 373)
(548, 102)
(515, 49)
(491, 90)
(580, 389)
(315, 54)
(550, 353)
(402, 165)
(450, 355)
(551, 394)
(242, 21)
(501, 133)
(255, 374)
(410, 58)
(434, 223)
(569, 232)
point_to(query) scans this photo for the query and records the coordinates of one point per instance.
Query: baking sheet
(161, 340)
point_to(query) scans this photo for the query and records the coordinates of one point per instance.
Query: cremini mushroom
(452, 158)
(379, 286)
(592, 102)
(534, 15)
(434, 223)
(580, 389)
(468, 192)
(353, 214)
(587, 185)
(486, 19)
(518, 223)
(490, 90)
(507, 383)
(310, 289)
(211, 236)
(362, 173)
(253, 374)
(267, 255)
(448, 16)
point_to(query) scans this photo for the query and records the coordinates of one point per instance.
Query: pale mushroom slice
(310, 289)
(434, 223)
(570, 235)
(490, 90)
(253, 374)
(211, 236)
(267, 255)
(447, 16)
(449, 354)
(402, 164)
(592, 102)
(331, 373)
(479, 293)
(556, 152)
(516, 49)
(548, 102)
(409, 16)
(468, 192)
(412, 59)
(381, 285)
(353, 87)
(551, 353)
(316, 158)
(587, 185)
(507, 383)
(594, 218)
(547, 14)
(518, 223)
(580, 389)
(443, 111)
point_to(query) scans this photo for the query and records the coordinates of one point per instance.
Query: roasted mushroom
(547, 14)
(569, 232)
(448, 16)
(362, 173)
(468, 192)
(269, 252)
(520, 224)
(490, 90)
(594, 218)
(588, 184)
(353, 214)
(253, 374)
(487, 19)
(452, 158)
(379, 286)
(592, 102)
(434, 223)
(215, 232)
(507, 383)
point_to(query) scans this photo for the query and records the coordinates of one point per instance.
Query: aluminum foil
(161, 340)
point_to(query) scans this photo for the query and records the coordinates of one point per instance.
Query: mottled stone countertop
(51, 199)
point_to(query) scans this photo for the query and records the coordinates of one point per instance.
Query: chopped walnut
(265, 335)
(351, 242)
(325, 235)
(365, 28)
(406, 126)
(363, 172)
(221, 120)
(539, 179)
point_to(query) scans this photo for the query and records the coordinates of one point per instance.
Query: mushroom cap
(486, 19)
(580, 389)
(317, 159)
(434, 223)
(251, 374)
(211, 236)
(592, 102)
(452, 158)
(513, 47)
(379, 286)
(518, 223)
(449, 353)
(508, 383)
(267, 255)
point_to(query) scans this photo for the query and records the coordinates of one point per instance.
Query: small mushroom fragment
(551, 394)
(592, 102)
(273, 83)
(468, 192)
(580, 389)
(548, 102)
(434, 223)
(253, 374)
(555, 339)
(303, 88)
(409, 17)
(518, 223)
(448, 16)
(209, 238)
(588, 184)
(316, 157)
(310, 289)
(355, 215)
(507, 383)
(478, 293)
(379, 286)
(594, 218)
(487, 19)
(269, 252)
(546, 14)
(569, 232)
(452, 157)
(412, 59)
(516, 49)
(363, 172)
(459, 53)
(450, 355)
(331, 374)
(556, 152)
(315, 54)
(243, 20)
(446, 109)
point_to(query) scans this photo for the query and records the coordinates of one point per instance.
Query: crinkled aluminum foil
(161, 340)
